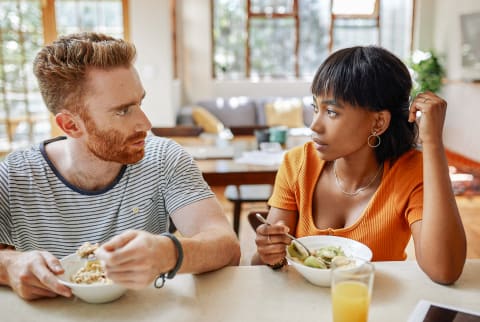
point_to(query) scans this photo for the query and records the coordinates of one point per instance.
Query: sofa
(241, 111)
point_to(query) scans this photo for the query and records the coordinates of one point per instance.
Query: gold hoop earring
(376, 137)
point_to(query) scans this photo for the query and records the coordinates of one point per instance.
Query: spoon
(263, 220)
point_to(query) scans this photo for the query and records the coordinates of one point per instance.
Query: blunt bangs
(368, 77)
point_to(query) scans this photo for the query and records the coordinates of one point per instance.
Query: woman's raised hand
(433, 110)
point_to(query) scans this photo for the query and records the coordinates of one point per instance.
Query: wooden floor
(469, 210)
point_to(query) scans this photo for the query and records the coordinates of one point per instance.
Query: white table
(253, 293)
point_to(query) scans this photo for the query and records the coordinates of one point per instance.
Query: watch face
(441, 314)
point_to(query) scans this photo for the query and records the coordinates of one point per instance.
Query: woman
(362, 177)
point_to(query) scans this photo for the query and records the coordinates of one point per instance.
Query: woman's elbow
(446, 275)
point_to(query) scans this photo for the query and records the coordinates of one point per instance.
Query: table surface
(253, 293)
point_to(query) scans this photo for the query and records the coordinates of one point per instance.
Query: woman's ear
(382, 121)
(69, 124)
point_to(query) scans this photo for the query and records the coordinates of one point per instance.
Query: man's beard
(111, 145)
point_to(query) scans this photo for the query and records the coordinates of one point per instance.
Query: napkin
(261, 158)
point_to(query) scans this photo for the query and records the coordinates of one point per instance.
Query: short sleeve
(5, 218)
(409, 188)
(414, 211)
(183, 180)
(283, 196)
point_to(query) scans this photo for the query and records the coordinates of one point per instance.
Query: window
(354, 22)
(290, 38)
(22, 115)
(25, 25)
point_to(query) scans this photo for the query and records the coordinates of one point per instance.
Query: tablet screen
(442, 314)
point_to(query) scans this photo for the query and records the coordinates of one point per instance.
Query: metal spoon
(263, 220)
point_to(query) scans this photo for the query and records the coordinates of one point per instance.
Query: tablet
(426, 311)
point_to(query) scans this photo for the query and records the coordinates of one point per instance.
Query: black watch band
(278, 265)
(160, 279)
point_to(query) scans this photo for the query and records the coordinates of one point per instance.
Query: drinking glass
(262, 136)
(278, 134)
(351, 287)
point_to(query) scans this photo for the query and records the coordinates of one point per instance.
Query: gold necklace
(356, 192)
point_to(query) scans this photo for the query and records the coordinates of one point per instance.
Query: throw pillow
(288, 112)
(206, 120)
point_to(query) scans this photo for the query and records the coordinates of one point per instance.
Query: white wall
(151, 33)
(461, 131)
(447, 35)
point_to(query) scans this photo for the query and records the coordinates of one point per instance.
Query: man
(106, 181)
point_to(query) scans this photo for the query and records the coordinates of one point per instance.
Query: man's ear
(382, 121)
(69, 124)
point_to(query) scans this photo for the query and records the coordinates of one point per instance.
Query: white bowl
(321, 277)
(90, 293)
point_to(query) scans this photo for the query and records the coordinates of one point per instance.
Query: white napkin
(261, 158)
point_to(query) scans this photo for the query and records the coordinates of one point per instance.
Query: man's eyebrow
(125, 105)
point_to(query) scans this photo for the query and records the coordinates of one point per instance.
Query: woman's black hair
(375, 79)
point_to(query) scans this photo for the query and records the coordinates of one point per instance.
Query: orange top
(384, 225)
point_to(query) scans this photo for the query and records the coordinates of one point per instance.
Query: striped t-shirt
(39, 209)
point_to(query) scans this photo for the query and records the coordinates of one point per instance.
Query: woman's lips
(320, 146)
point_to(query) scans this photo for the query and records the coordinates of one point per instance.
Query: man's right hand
(32, 274)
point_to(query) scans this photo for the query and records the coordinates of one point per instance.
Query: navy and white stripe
(40, 210)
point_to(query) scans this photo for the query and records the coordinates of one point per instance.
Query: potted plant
(427, 72)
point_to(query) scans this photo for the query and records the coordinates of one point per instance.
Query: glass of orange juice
(351, 287)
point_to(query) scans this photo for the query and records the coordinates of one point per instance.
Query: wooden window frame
(173, 20)
(262, 15)
(374, 16)
(50, 26)
(295, 15)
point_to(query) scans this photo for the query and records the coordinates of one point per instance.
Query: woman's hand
(433, 109)
(271, 242)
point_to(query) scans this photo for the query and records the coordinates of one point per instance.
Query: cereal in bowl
(93, 271)
(87, 249)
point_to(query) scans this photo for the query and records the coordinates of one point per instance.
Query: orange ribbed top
(385, 223)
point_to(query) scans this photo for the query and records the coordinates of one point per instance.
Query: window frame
(50, 24)
(376, 16)
(255, 15)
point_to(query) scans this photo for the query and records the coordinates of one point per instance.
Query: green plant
(427, 72)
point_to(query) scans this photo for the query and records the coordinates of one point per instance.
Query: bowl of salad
(316, 267)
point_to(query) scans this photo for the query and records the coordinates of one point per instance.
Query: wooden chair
(246, 193)
(253, 220)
